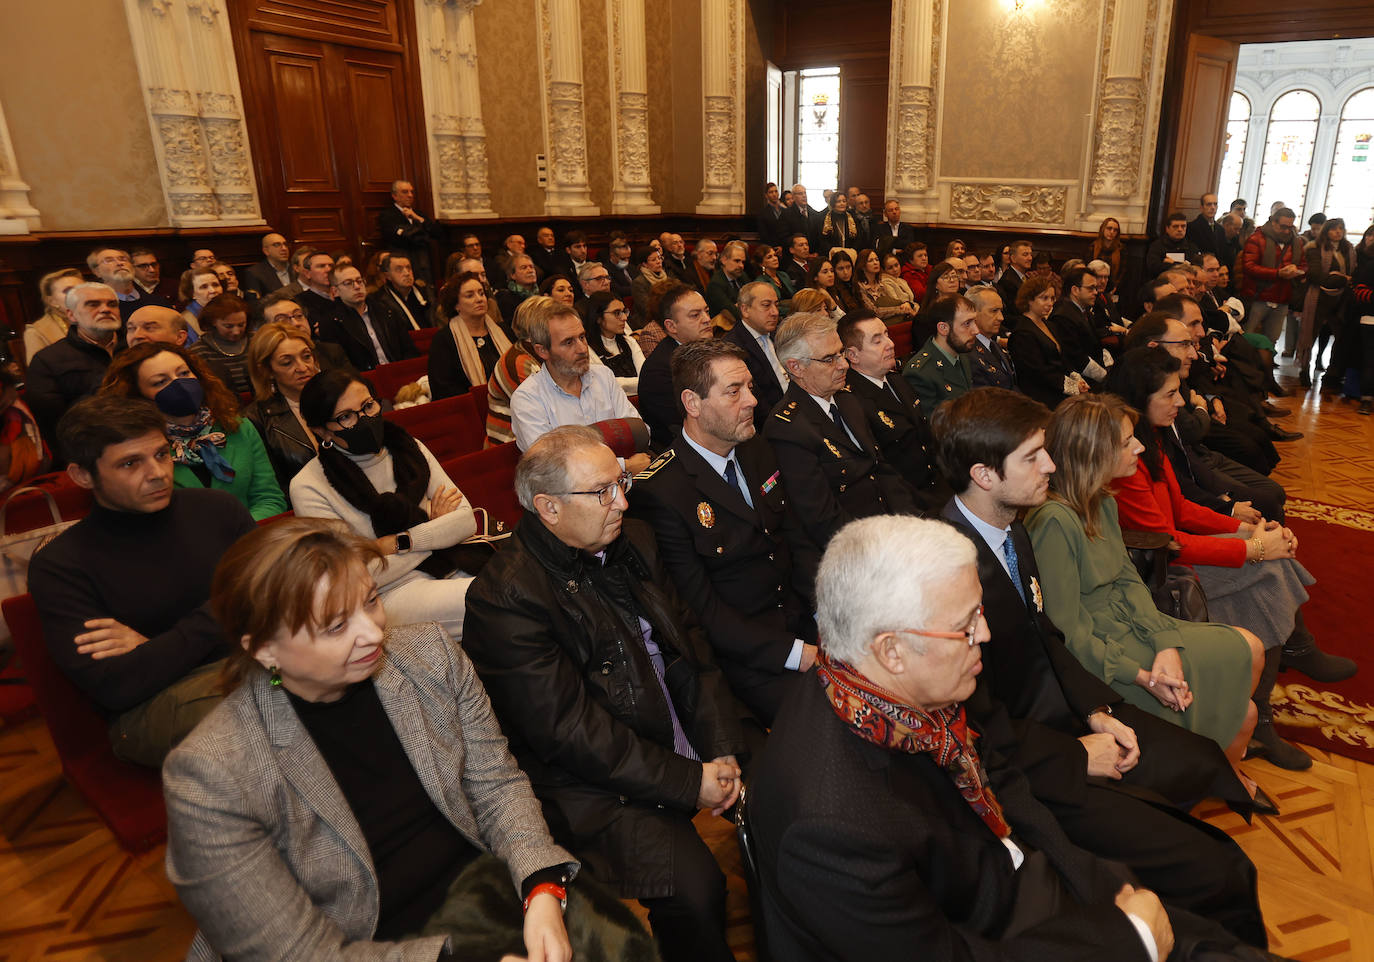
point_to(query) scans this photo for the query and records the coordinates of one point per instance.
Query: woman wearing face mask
(377, 479)
(211, 445)
(281, 360)
(223, 343)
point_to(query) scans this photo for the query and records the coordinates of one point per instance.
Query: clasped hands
(720, 784)
(1112, 748)
(1165, 680)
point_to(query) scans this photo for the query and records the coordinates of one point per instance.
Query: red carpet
(1336, 717)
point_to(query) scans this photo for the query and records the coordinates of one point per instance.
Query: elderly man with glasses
(830, 461)
(606, 689)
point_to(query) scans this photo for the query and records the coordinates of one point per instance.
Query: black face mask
(365, 437)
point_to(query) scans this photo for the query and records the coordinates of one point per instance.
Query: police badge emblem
(705, 515)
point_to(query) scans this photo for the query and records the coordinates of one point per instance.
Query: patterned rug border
(1341, 515)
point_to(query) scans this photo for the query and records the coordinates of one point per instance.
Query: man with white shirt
(758, 310)
(992, 365)
(409, 296)
(568, 388)
(371, 330)
(718, 506)
(891, 234)
(404, 228)
(831, 463)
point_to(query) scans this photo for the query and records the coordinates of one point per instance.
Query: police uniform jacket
(830, 480)
(898, 422)
(992, 369)
(748, 573)
(935, 378)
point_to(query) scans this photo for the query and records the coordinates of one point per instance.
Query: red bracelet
(557, 891)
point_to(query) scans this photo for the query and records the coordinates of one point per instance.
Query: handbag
(17, 549)
(1176, 590)
(472, 554)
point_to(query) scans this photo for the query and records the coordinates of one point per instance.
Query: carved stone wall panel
(722, 79)
(628, 74)
(17, 214)
(568, 192)
(913, 92)
(1009, 204)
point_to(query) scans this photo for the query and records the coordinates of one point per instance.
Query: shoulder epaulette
(656, 465)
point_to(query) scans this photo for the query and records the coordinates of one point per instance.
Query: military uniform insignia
(705, 515)
(833, 450)
(939, 363)
(771, 483)
(882, 416)
(1036, 596)
(791, 406)
(656, 465)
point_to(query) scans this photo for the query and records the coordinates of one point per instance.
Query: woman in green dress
(1200, 676)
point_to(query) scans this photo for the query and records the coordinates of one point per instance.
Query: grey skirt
(1262, 598)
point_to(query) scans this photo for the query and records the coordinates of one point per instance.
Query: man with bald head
(800, 218)
(161, 325)
(273, 272)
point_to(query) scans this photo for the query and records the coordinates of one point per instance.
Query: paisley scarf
(199, 443)
(876, 716)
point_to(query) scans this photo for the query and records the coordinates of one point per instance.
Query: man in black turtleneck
(124, 594)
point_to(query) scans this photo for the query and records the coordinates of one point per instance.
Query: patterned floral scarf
(199, 443)
(876, 716)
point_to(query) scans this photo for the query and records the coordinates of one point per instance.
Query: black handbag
(1176, 589)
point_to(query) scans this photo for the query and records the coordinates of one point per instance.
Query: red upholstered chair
(449, 427)
(901, 340)
(423, 337)
(24, 512)
(479, 397)
(387, 379)
(127, 797)
(487, 479)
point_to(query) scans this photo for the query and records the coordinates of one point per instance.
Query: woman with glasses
(603, 315)
(383, 484)
(281, 361)
(212, 445)
(1199, 676)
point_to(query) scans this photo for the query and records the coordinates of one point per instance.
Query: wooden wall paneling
(1272, 21)
(1209, 74)
(863, 119)
(377, 23)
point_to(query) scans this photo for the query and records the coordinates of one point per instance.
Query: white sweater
(312, 496)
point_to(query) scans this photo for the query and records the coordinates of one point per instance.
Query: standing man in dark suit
(886, 829)
(895, 414)
(273, 272)
(992, 365)
(800, 218)
(718, 507)
(772, 226)
(683, 313)
(371, 330)
(830, 461)
(758, 310)
(1076, 740)
(545, 252)
(1202, 231)
(891, 234)
(402, 227)
(798, 260)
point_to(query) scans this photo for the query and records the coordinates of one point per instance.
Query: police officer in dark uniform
(832, 465)
(726, 533)
(992, 365)
(895, 414)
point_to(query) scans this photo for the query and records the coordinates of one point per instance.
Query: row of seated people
(634, 666)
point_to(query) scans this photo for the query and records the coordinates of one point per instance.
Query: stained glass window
(1350, 193)
(1288, 154)
(818, 132)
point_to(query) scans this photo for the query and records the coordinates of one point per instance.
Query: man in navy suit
(758, 310)
(890, 234)
(992, 365)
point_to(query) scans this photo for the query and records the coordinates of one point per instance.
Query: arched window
(1350, 193)
(818, 132)
(1288, 154)
(1237, 129)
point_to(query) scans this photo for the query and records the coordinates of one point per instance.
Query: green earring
(276, 676)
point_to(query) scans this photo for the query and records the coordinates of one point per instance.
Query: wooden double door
(332, 110)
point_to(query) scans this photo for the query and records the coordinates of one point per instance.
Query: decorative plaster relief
(722, 32)
(1008, 203)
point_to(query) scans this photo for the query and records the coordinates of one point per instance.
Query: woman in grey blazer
(353, 796)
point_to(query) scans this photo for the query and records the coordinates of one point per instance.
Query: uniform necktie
(732, 476)
(1013, 566)
(835, 415)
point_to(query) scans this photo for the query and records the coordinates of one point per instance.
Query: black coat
(1203, 234)
(288, 446)
(884, 241)
(772, 226)
(1009, 285)
(410, 306)
(553, 635)
(324, 314)
(992, 368)
(767, 390)
(832, 482)
(900, 427)
(58, 376)
(1077, 337)
(799, 221)
(399, 234)
(1040, 364)
(867, 854)
(1155, 261)
(748, 573)
(684, 270)
(261, 278)
(546, 260)
(392, 327)
(657, 403)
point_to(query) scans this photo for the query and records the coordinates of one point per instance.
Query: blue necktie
(1013, 565)
(732, 477)
(835, 416)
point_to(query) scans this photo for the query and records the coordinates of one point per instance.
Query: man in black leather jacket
(605, 687)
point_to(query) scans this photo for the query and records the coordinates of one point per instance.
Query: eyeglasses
(969, 634)
(352, 282)
(293, 316)
(830, 360)
(606, 496)
(347, 419)
(620, 313)
(1188, 342)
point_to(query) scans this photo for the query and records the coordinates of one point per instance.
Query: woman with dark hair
(1249, 572)
(845, 290)
(837, 226)
(603, 316)
(820, 277)
(223, 342)
(559, 288)
(649, 261)
(198, 287)
(383, 484)
(1198, 675)
(469, 343)
(353, 797)
(942, 282)
(916, 270)
(1106, 247)
(766, 264)
(895, 289)
(1330, 263)
(1041, 368)
(211, 446)
(281, 361)
(868, 282)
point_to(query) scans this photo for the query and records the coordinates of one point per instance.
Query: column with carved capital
(917, 26)
(722, 90)
(565, 125)
(630, 102)
(17, 215)
(186, 65)
(453, 103)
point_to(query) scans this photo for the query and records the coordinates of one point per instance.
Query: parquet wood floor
(68, 892)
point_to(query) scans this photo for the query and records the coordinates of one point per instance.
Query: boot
(1270, 745)
(1300, 652)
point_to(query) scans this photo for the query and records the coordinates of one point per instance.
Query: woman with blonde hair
(469, 344)
(1200, 676)
(281, 361)
(51, 326)
(811, 300)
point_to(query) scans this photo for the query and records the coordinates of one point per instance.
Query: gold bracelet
(1259, 550)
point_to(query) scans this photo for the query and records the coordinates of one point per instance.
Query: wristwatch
(1105, 709)
(403, 542)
